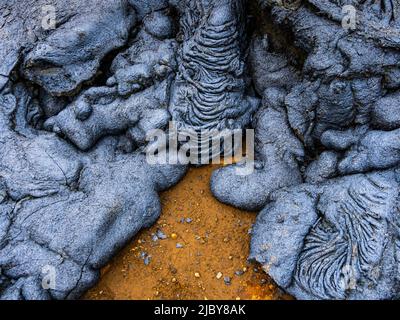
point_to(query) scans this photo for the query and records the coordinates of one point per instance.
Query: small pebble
(227, 280)
(179, 245)
(189, 220)
(219, 275)
(197, 275)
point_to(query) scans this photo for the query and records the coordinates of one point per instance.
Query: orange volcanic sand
(216, 241)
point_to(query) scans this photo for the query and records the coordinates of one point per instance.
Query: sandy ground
(204, 254)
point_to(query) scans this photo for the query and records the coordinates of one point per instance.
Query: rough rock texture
(68, 210)
(60, 60)
(275, 167)
(136, 96)
(277, 148)
(210, 88)
(334, 240)
(329, 123)
(77, 101)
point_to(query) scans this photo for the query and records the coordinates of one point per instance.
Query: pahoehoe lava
(78, 100)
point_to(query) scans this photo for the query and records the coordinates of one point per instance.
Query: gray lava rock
(386, 112)
(68, 210)
(71, 55)
(276, 166)
(323, 168)
(210, 92)
(78, 99)
(336, 240)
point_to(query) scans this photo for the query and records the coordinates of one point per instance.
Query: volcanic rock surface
(78, 100)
